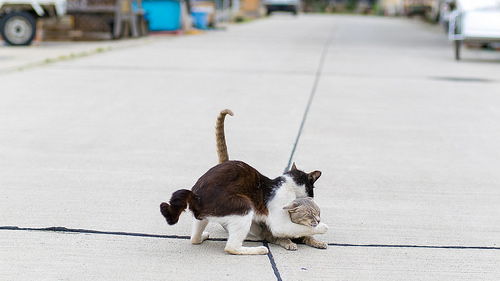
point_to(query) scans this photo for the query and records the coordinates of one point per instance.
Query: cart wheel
(18, 28)
(458, 46)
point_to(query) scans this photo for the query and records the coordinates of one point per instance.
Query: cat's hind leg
(238, 228)
(197, 233)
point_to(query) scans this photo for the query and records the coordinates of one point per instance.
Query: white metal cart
(474, 21)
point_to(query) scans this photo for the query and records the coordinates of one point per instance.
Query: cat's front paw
(321, 228)
(320, 244)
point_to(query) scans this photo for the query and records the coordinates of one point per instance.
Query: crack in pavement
(272, 261)
(415, 246)
(91, 231)
(62, 229)
(317, 77)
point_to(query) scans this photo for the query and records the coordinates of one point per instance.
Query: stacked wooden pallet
(98, 19)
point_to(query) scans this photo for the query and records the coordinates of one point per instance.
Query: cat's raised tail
(178, 203)
(220, 137)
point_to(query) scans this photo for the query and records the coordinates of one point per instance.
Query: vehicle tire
(18, 28)
(458, 47)
(269, 12)
(295, 11)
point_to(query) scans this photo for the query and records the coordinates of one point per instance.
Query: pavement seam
(317, 77)
(272, 261)
(414, 246)
(90, 231)
(63, 229)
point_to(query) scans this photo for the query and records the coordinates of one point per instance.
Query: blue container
(163, 15)
(200, 19)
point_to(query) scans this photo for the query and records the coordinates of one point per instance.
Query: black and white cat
(234, 194)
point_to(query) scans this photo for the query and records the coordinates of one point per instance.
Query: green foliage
(329, 6)
(351, 5)
(315, 6)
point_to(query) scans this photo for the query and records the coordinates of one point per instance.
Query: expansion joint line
(317, 77)
(272, 261)
(62, 229)
(415, 246)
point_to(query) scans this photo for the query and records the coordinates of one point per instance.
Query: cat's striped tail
(178, 203)
(220, 137)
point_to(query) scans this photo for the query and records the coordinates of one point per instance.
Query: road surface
(407, 140)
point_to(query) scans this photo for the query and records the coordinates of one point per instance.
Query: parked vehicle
(474, 21)
(292, 6)
(18, 18)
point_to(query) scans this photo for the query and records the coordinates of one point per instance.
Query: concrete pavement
(406, 139)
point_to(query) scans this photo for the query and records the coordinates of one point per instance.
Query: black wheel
(295, 11)
(458, 46)
(18, 28)
(269, 12)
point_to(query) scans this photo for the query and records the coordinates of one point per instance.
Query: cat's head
(304, 211)
(306, 180)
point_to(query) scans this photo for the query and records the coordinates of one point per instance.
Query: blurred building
(428, 8)
(251, 8)
(392, 7)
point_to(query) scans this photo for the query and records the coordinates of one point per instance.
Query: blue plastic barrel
(163, 15)
(200, 19)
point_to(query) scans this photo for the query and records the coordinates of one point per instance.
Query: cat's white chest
(284, 195)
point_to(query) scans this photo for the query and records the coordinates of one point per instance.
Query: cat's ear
(314, 176)
(292, 207)
(293, 167)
